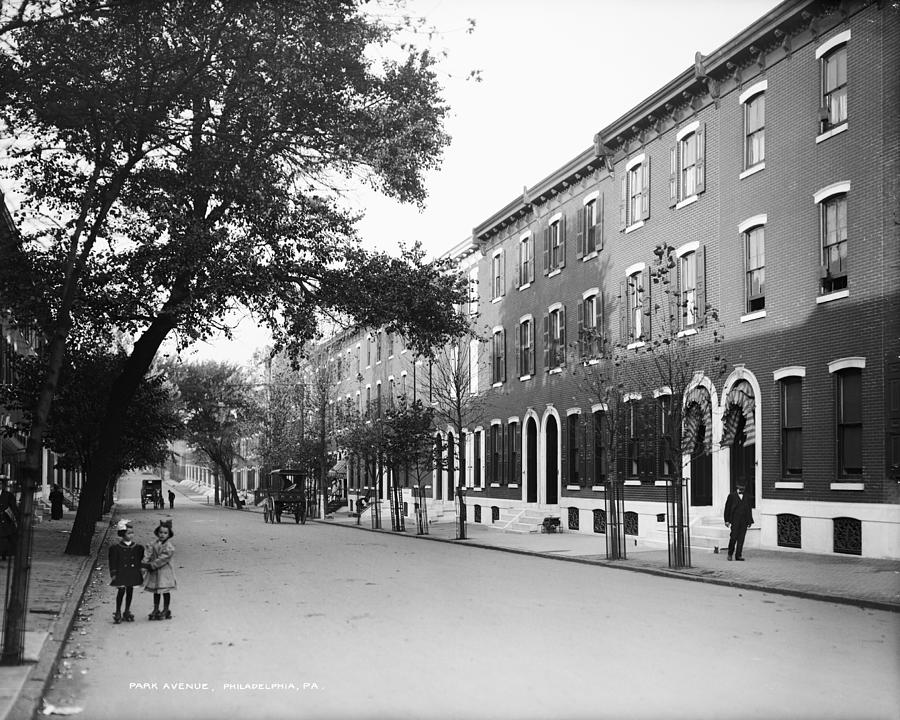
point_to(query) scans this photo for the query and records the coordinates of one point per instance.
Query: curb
(659, 572)
(28, 704)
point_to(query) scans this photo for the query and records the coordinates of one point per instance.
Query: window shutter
(673, 175)
(561, 359)
(546, 343)
(531, 346)
(504, 445)
(599, 322)
(489, 464)
(621, 438)
(546, 250)
(598, 233)
(519, 350)
(701, 159)
(531, 242)
(579, 237)
(677, 297)
(502, 273)
(562, 241)
(581, 339)
(649, 442)
(623, 313)
(564, 459)
(623, 202)
(587, 453)
(520, 271)
(701, 285)
(503, 356)
(517, 470)
(645, 190)
(647, 300)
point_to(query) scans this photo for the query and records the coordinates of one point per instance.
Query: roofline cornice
(700, 80)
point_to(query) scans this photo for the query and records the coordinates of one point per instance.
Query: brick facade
(802, 331)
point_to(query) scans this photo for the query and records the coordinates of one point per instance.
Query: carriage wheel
(265, 515)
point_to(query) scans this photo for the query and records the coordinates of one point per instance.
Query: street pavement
(59, 581)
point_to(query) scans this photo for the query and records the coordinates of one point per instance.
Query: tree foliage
(73, 429)
(184, 157)
(219, 407)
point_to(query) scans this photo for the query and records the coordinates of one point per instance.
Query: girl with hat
(161, 577)
(125, 568)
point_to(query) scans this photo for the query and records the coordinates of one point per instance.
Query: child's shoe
(127, 616)
(117, 617)
(166, 615)
(155, 615)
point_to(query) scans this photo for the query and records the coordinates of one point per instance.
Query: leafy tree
(281, 442)
(73, 426)
(408, 441)
(219, 407)
(187, 154)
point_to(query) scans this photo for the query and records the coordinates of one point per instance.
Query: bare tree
(451, 388)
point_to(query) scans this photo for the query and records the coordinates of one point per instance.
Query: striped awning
(698, 412)
(340, 468)
(739, 403)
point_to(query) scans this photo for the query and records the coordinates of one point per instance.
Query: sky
(552, 75)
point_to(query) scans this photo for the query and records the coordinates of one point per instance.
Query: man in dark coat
(171, 499)
(738, 517)
(56, 503)
(9, 520)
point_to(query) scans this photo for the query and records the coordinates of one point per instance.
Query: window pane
(850, 384)
(851, 450)
(793, 452)
(793, 402)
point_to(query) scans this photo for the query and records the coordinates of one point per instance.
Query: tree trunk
(110, 437)
(231, 490)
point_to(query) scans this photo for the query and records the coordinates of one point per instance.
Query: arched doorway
(697, 444)
(739, 434)
(551, 467)
(531, 466)
(701, 475)
(743, 462)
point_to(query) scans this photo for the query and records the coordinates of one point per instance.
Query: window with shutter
(557, 245)
(574, 459)
(687, 165)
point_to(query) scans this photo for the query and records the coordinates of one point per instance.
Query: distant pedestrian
(738, 517)
(9, 520)
(161, 578)
(125, 559)
(56, 503)
(171, 500)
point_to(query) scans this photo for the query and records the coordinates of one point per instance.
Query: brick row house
(22, 340)
(770, 170)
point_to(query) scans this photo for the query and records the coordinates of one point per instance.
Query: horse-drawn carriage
(288, 494)
(151, 494)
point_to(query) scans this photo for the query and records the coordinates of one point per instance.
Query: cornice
(698, 85)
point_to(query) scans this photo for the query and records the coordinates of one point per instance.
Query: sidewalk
(56, 585)
(856, 581)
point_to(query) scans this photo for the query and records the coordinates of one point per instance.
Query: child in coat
(125, 559)
(161, 577)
